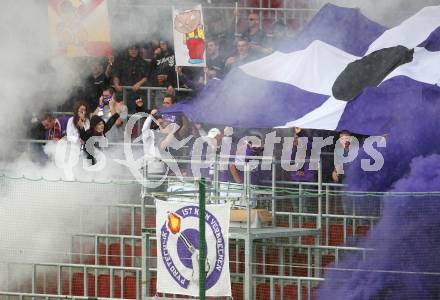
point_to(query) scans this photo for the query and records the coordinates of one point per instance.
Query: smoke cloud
(403, 264)
(39, 214)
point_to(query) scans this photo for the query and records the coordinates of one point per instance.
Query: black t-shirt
(258, 38)
(217, 64)
(163, 65)
(130, 71)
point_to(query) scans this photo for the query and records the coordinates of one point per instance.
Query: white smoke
(38, 216)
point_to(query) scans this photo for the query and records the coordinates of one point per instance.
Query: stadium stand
(108, 264)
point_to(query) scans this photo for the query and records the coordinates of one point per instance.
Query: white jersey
(152, 155)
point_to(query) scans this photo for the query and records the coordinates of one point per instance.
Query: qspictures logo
(159, 143)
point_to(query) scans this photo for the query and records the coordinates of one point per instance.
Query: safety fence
(314, 226)
(221, 18)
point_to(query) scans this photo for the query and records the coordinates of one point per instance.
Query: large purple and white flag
(177, 231)
(342, 71)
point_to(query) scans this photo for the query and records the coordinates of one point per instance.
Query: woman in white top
(80, 119)
(156, 137)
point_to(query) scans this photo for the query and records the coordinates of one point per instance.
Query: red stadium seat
(232, 258)
(281, 223)
(125, 224)
(78, 284)
(272, 261)
(51, 283)
(130, 291)
(237, 290)
(104, 286)
(114, 253)
(259, 258)
(153, 283)
(290, 291)
(336, 234)
(308, 240)
(236, 264)
(150, 221)
(138, 250)
(299, 264)
(362, 230)
(102, 255)
(263, 291)
(137, 224)
(273, 3)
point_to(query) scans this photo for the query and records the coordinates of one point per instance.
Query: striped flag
(342, 71)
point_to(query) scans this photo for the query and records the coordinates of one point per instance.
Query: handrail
(209, 7)
(52, 296)
(156, 88)
(69, 265)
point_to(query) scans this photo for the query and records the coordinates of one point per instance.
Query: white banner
(189, 37)
(177, 231)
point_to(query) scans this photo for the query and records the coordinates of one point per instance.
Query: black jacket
(85, 135)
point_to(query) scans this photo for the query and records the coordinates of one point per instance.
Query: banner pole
(202, 240)
(236, 19)
(178, 84)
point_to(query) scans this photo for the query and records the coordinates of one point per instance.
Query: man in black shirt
(95, 84)
(214, 61)
(255, 36)
(162, 70)
(132, 71)
(242, 56)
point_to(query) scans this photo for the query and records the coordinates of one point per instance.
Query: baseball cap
(213, 132)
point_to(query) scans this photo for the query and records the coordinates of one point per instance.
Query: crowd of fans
(114, 89)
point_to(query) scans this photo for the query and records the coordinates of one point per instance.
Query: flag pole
(236, 19)
(202, 240)
(177, 74)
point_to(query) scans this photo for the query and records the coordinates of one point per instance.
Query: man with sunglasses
(255, 36)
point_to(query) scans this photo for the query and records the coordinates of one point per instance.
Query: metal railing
(36, 296)
(86, 247)
(149, 90)
(64, 274)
